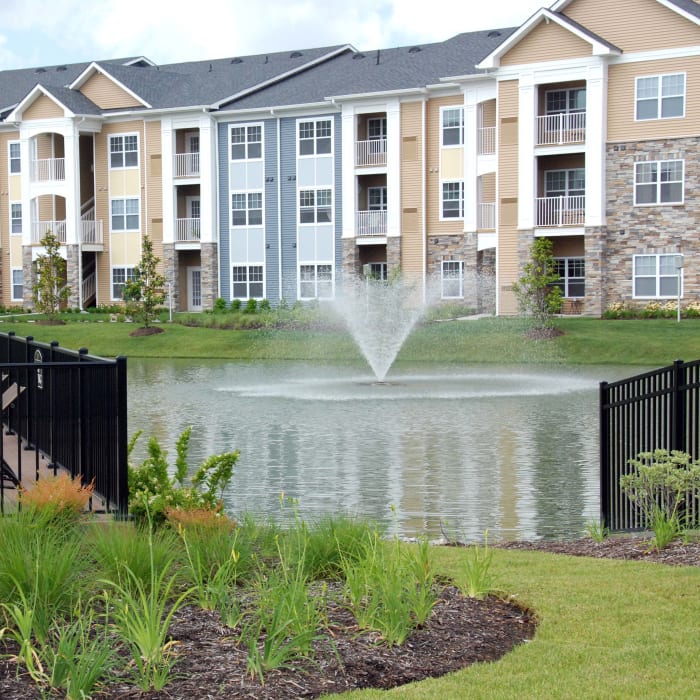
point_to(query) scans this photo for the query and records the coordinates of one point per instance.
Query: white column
(471, 136)
(207, 179)
(527, 111)
(596, 135)
(393, 168)
(348, 138)
(72, 184)
(167, 141)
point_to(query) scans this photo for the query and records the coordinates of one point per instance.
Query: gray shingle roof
(689, 6)
(384, 70)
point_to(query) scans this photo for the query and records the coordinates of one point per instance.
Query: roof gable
(39, 103)
(598, 45)
(101, 87)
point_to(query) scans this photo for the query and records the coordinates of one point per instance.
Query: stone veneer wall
(73, 275)
(210, 277)
(393, 254)
(27, 276)
(648, 229)
(172, 273)
(351, 258)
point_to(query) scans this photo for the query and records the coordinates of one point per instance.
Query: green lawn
(585, 341)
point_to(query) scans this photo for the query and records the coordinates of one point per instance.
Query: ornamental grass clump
(60, 496)
(662, 484)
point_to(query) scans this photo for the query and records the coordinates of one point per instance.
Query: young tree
(537, 294)
(144, 293)
(50, 289)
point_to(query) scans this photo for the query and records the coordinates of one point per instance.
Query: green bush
(236, 305)
(251, 307)
(220, 305)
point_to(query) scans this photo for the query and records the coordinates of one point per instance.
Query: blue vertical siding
(338, 214)
(272, 182)
(288, 187)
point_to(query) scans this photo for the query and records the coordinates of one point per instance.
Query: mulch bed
(143, 331)
(461, 631)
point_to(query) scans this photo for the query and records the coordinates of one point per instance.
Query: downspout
(145, 179)
(424, 216)
(279, 205)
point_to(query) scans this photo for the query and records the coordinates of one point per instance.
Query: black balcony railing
(70, 408)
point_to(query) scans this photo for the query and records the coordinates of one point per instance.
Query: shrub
(236, 305)
(251, 306)
(220, 305)
(58, 495)
(264, 305)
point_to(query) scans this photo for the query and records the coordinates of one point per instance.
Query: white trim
(561, 4)
(29, 100)
(658, 183)
(95, 67)
(315, 121)
(246, 126)
(659, 95)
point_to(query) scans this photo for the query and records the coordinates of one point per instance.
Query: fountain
(380, 314)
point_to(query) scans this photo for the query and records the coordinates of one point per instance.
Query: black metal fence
(656, 410)
(71, 408)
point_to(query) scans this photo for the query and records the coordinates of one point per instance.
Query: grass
(608, 629)
(653, 342)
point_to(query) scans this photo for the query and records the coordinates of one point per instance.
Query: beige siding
(106, 94)
(152, 172)
(411, 171)
(546, 42)
(488, 113)
(43, 108)
(487, 185)
(5, 199)
(507, 201)
(635, 25)
(621, 106)
(102, 212)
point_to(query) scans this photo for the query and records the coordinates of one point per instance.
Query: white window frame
(668, 276)
(253, 274)
(12, 159)
(250, 145)
(15, 221)
(382, 191)
(451, 126)
(376, 134)
(314, 281)
(659, 97)
(308, 201)
(448, 268)
(129, 274)
(568, 190)
(312, 139)
(658, 182)
(566, 279)
(124, 152)
(568, 92)
(246, 198)
(17, 284)
(125, 214)
(460, 209)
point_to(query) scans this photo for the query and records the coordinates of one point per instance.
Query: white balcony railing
(89, 286)
(486, 216)
(91, 231)
(370, 223)
(41, 228)
(48, 169)
(187, 230)
(558, 129)
(186, 165)
(486, 140)
(372, 152)
(561, 211)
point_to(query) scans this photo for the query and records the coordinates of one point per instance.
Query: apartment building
(274, 176)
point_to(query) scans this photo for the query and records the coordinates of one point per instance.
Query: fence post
(678, 435)
(122, 441)
(604, 455)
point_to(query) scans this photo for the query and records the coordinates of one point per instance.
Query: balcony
(91, 231)
(47, 170)
(560, 211)
(370, 223)
(187, 230)
(486, 140)
(561, 129)
(372, 152)
(486, 216)
(186, 165)
(41, 228)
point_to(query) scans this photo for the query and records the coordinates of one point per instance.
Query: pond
(452, 450)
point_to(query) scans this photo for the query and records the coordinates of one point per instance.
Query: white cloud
(66, 31)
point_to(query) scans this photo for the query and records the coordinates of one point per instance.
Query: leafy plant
(145, 292)
(660, 484)
(152, 489)
(477, 579)
(536, 290)
(597, 530)
(50, 289)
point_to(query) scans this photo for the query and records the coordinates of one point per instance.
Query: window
(246, 209)
(572, 276)
(16, 217)
(246, 142)
(376, 271)
(315, 137)
(376, 128)
(125, 215)
(248, 282)
(566, 101)
(124, 151)
(452, 278)
(656, 276)
(17, 284)
(315, 206)
(316, 281)
(15, 160)
(453, 200)
(660, 96)
(658, 182)
(453, 126)
(565, 183)
(120, 276)
(376, 198)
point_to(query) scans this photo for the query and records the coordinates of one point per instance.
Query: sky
(52, 32)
